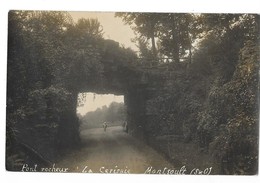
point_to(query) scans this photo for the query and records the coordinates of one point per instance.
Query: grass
(189, 154)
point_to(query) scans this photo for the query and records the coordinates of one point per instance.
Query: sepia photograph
(160, 93)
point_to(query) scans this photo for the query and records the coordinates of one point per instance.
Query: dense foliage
(37, 91)
(171, 35)
(213, 101)
(50, 60)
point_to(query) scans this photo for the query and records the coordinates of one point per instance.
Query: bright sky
(94, 101)
(113, 27)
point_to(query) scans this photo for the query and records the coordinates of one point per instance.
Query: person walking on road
(105, 126)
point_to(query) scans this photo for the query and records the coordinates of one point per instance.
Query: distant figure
(105, 126)
(125, 127)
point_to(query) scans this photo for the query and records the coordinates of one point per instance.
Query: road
(113, 151)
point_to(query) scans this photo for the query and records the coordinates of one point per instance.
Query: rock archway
(118, 75)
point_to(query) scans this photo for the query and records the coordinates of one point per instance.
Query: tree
(222, 39)
(236, 141)
(36, 90)
(83, 53)
(90, 27)
(145, 52)
(114, 114)
(177, 32)
(144, 25)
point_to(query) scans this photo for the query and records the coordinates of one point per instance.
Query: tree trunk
(176, 49)
(152, 29)
(153, 46)
(152, 23)
(190, 54)
(175, 46)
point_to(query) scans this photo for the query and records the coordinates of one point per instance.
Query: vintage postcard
(132, 93)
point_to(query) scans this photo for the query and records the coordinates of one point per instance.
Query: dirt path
(112, 151)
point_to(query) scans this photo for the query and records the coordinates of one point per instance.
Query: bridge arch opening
(93, 110)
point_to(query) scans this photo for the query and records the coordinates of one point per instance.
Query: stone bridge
(137, 81)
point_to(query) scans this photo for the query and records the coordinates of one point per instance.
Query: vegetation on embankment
(50, 60)
(212, 106)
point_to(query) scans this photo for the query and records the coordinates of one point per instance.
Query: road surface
(113, 151)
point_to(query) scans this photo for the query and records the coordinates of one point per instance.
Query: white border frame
(191, 6)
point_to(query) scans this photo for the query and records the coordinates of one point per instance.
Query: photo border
(188, 6)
